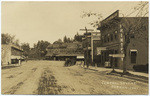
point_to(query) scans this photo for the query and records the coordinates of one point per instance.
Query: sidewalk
(119, 70)
(100, 69)
(11, 65)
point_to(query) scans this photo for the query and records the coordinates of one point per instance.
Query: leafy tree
(67, 40)
(26, 48)
(40, 48)
(78, 37)
(7, 39)
(59, 41)
(96, 22)
(134, 28)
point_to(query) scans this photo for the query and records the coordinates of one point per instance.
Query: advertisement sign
(99, 49)
(116, 55)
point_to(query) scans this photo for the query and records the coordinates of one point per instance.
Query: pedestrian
(19, 61)
(66, 62)
(84, 63)
(26, 59)
(88, 63)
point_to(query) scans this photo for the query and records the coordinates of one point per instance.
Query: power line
(142, 6)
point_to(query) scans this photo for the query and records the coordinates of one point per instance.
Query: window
(107, 39)
(133, 56)
(116, 36)
(102, 39)
(116, 52)
(132, 36)
(111, 36)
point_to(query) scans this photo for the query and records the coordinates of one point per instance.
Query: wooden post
(87, 57)
(113, 64)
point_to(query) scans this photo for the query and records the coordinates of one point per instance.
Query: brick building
(116, 32)
(10, 54)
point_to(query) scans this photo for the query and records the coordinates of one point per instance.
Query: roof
(13, 46)
(65, 49)
(69, 55)
(50, 54)
(17, 47)
(64, 45)
(114, 17)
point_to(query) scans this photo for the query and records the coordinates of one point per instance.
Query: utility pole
(86, 42)
(86, 30)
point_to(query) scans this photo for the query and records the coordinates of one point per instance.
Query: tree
(65, 39)
(98, 16)
(40, 48)
(26, 48)
(78, 37)
(68, 40)
(7, 39)
(59, 41)
(134, 28)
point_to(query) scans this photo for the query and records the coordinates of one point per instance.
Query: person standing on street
(19, 61)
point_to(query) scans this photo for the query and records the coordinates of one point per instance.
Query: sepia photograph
(74, 47)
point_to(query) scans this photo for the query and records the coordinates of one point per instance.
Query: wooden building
(10, 54)
(64, 50)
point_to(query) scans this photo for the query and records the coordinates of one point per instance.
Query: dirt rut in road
(48, 84)
(14, 88)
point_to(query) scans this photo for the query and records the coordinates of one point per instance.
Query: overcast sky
(33, 21)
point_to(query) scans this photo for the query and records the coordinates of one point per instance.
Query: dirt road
(51, 77)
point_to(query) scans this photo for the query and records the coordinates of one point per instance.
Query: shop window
(116, 37)
(132, 36)
(108, 39)
(105, 39)
(111, 36)
(116, 52)
(133, 56)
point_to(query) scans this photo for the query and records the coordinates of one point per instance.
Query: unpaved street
(51, 77)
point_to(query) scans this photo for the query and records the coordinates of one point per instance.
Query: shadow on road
(130, 76)
(8, 67)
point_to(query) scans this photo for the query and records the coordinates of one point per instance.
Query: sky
(31, 21)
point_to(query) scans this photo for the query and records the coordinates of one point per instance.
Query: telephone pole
(86, 45)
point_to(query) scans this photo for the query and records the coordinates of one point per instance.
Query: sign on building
(116, 55)
(96, 36)
(99, 49)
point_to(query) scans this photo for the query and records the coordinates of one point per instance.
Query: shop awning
(80, 57)
(15, 57)
(132, 50)
(99, 49)
(116, 55)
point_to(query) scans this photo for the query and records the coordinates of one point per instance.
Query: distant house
(64, 50)
(10, 54)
